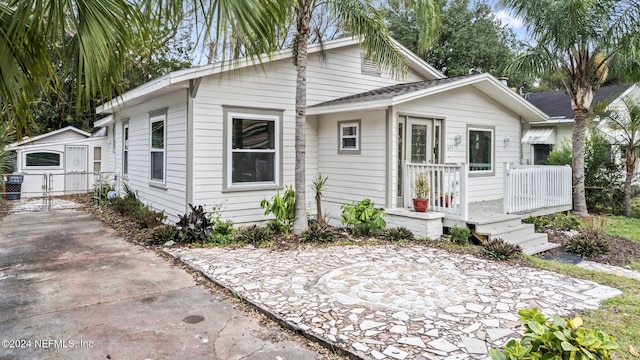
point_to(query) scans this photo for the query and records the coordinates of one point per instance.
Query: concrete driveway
(71, 289)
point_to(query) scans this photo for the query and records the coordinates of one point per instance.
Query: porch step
(511, 229)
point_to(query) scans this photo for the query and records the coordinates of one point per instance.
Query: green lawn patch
(624, 227)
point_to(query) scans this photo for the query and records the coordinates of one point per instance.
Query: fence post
(506, 195)
(464, 203)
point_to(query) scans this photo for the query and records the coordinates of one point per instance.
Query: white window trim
(230, 151)
(491, 171)
(125, 146)
(347, 124)
(99, 161)
(154, 119)
(61, 154)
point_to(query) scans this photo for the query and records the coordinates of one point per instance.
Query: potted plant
(421, 189)
(446, 198)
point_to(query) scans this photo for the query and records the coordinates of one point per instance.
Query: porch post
(464, 203)
(405, 185)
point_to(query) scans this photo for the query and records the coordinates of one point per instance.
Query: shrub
(254, 235)
(162, 234)
(538, 222)
(195, 226)
(558, 339)
(130, 206)
(283, 208)
(559, 221)
(222, 232)
(363, 218)
(318, 232)
(587, 243)
(103, 192)
(460, 235)
(500, 250)
(398, 234)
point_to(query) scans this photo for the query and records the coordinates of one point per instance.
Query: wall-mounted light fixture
(507, 141)
(458, 139)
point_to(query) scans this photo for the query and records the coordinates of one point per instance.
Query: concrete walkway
(71, 289)
(389, 302)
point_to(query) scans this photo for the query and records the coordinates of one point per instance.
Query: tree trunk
(577, 162)
(630, 167)
(319, 209)
(303, 21)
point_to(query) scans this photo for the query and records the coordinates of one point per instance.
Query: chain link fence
(44, 192)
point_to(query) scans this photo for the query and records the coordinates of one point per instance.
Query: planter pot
(446, 200)
(420, 205)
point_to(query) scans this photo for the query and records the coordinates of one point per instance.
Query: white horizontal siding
(272, 86)
(353, 177)
(468, 106)
(172, 198)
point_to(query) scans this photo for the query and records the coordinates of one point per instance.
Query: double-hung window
(349, 137)
(253, 149)
(481, 150)
(157, 147)
(125, 148)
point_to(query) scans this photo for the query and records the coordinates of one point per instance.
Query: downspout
(192, 92)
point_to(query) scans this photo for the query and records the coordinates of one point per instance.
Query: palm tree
(94, 38)
(580, 43)
(361, 19)
(624, 121)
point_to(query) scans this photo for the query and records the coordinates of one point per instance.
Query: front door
(76, 179)
(418, 143)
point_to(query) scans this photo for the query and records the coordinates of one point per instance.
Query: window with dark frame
(480, 150)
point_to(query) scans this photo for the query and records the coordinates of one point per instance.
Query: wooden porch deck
(490, 211)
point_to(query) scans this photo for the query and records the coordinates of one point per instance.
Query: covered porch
(527, 189)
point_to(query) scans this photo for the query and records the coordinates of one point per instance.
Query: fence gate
(44, 192)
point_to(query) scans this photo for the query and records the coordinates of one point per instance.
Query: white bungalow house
(540, 138)
(60, 161)
(223, 135)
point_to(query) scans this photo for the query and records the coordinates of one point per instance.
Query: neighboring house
(224, 135)
(63, 151)
(540, 138)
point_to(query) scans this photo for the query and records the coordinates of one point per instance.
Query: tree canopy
(471, 39)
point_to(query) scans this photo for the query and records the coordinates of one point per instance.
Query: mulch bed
(623, 251)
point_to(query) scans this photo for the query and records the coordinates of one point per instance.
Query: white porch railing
(531, 187)
(447, 187)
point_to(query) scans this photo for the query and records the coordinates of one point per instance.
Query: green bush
(318, 232)
(559, 339)
(254, 235)
(399, 233)
(363, 218)
(559, 221)
(283, 208)
(162, 234)
(500, 250)
(588, 243)
(131, 207)
(222, 232)
(460, 235)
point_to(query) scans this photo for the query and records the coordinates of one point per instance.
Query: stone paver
(396, 302)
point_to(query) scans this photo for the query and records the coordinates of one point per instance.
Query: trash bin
(14, 186)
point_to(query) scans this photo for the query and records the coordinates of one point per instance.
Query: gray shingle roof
(557, 103)
(389, 92)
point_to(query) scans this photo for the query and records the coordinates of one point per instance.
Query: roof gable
(398, 94)
(66, 133)
(182, 78)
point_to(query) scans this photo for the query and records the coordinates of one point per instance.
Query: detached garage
(68, 156)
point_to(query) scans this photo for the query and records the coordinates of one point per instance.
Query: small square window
(349, 137)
